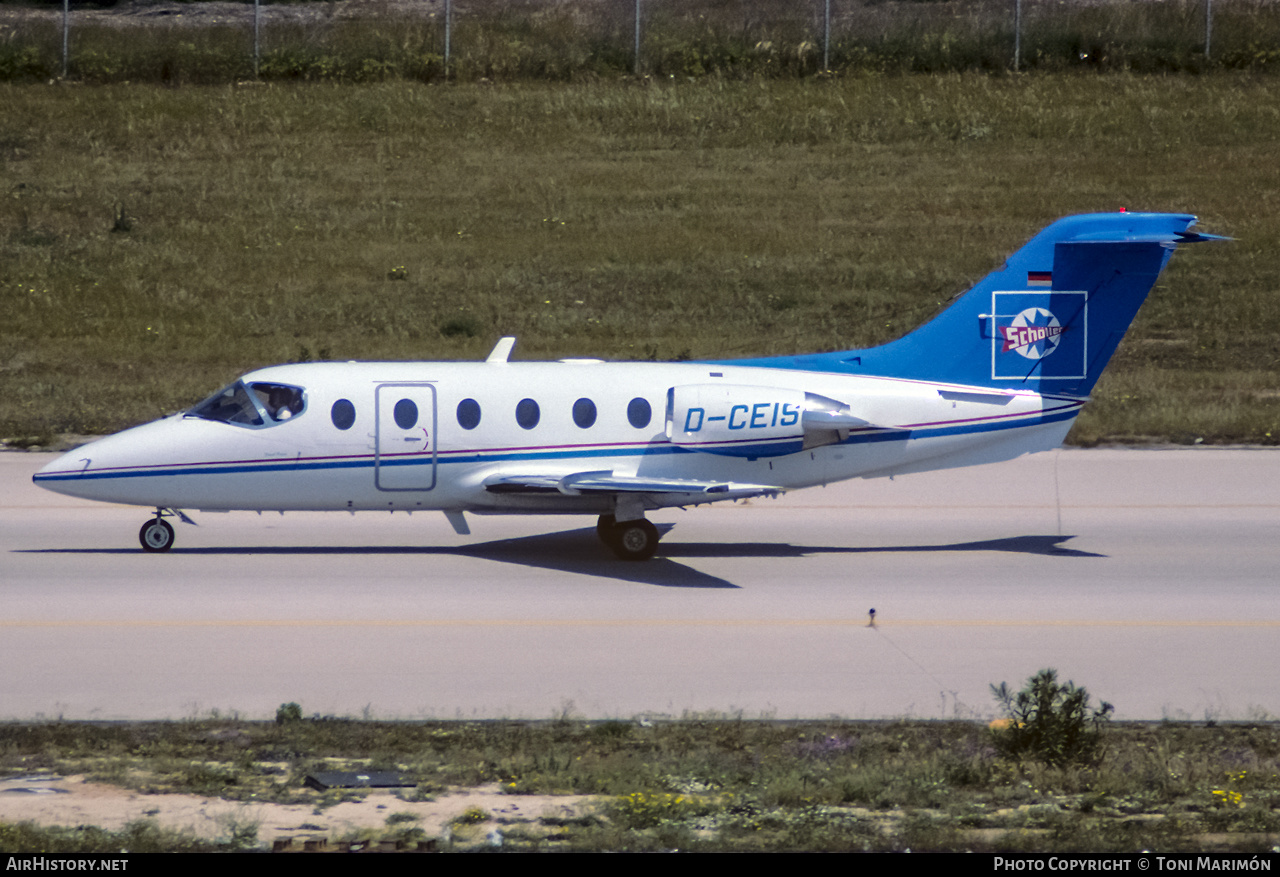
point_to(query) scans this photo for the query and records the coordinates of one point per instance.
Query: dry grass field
(155, 242)
(705, 784)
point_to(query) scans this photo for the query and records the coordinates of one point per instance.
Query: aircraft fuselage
(316, 461)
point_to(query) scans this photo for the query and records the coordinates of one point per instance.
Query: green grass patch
(156, 242)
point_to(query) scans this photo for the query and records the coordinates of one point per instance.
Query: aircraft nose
(62, 473)
(134, 467)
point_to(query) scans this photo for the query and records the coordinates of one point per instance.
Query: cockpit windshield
(258, 404)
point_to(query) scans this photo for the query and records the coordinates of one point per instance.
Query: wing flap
(604, 481)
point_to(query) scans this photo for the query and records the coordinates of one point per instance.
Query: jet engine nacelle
(742, 421)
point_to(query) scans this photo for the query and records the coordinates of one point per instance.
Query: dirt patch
(71, 801)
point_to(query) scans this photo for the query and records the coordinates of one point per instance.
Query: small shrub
(239, 832)
(611, 732)
(471, 816)
(205, 778)
(1050, 722)
(460, 327)
(287, 713)
(650, 809)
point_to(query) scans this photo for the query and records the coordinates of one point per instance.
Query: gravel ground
(68, 801)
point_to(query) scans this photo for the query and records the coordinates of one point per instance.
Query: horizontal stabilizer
(1159, 237)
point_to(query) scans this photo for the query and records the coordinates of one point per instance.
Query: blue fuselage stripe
(447, 458)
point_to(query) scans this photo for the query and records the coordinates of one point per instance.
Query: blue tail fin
(1047, 321)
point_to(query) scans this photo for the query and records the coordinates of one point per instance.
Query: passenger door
(405, 441)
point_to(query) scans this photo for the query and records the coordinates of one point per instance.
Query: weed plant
(1050, 721)
(156, 242)
(142, 836)
(719, 784)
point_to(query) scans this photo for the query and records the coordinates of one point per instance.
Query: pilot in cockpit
(283, 402)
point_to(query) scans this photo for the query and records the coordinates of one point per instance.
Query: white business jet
(1001, 372)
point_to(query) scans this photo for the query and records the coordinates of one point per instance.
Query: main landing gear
(630, 540)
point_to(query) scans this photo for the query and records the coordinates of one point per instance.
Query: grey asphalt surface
(1152, 577)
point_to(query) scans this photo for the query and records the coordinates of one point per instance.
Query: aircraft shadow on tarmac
(577, 551)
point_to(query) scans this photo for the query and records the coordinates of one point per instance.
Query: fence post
(66, 26)
(1017, 34)
(257, 50)
(636, 69)
(448, 23)
(1208, 25)
(826, 36)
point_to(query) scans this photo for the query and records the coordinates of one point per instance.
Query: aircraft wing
(604, 481)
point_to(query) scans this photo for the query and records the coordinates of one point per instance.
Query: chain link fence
(468, 40)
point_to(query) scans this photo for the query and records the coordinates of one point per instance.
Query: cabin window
(527, 413)
(468, 414)
(258, 404)
(584, 413)
(405, 414)
(343, 414)
(639, 413)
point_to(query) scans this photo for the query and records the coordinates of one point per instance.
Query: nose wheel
(629, 540)
(156, 535)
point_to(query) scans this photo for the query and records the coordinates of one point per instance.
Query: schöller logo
(1034, 333)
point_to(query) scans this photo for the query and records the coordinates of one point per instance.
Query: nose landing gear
(156, 535)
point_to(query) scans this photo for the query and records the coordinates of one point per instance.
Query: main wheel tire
(156, 535)
(635, 540)
(605, 529)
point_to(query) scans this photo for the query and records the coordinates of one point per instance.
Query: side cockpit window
(259, 404)
(281, 401)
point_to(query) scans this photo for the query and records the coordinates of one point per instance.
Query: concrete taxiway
(1152, 577)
